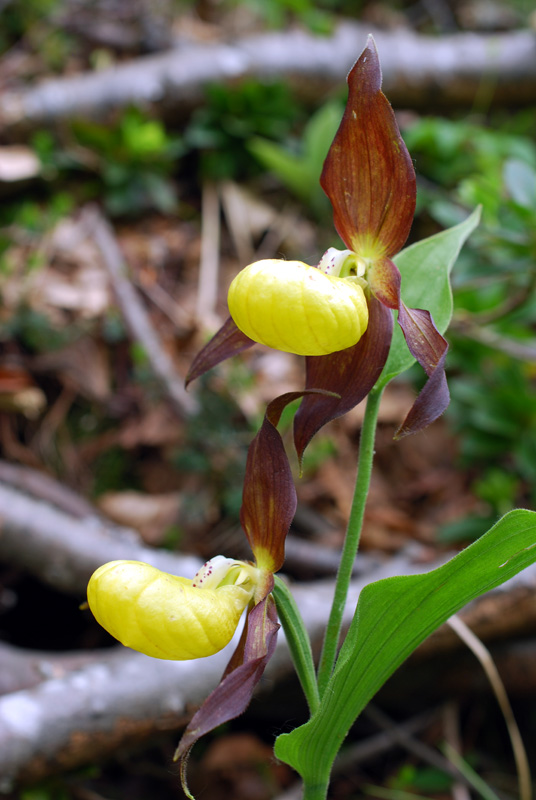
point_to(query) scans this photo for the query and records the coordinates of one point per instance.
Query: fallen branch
(21, 668)
(63, 550)
(85, 715)
(77, 717)
(419, 71)
(88, 713)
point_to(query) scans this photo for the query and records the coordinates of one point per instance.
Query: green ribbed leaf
(393, 617)
(425, 269)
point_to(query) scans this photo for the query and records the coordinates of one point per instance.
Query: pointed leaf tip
(368, 64)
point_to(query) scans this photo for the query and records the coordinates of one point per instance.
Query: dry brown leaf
(150, 514)
(83, 365)
(73, 280)
(236, 750)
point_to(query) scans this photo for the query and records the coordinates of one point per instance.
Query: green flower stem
(351, 542)
(317, 791)
(298, 642)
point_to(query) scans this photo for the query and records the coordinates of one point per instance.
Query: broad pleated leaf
(393, 617)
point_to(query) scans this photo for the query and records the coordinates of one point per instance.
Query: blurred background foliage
(267, 138)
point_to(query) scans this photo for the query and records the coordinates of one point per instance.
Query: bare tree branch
(88, 713)
(421, 71)
(23, 669)
(76, 717)
(63, 550)
(79, 717)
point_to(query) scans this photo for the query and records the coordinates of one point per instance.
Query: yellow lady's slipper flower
(300, 309)
(342, 320)
(165, 616)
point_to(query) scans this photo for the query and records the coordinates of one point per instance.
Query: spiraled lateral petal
(232, 696)
(350, 374)
(430, 349)
(269, 496)
(226, 343)
(424, 342)
(368, 174)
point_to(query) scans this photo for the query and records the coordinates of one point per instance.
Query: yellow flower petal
(290, 306)
(163, 615)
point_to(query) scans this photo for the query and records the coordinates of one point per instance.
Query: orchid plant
(339, 315)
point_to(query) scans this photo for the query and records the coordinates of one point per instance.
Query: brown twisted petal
(227, 342)
(350, 374)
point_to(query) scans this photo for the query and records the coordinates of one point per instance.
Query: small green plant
(299, 165)
(493, 342)
(18, 20)
(219, 130)
(134, 161)
(276, 13)
(317, 15)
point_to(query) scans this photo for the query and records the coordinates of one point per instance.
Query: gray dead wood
(63, 549)
(81, 715)
(87, 713)
(21, 668)
(419, 71)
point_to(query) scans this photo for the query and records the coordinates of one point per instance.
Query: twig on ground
(404, 738)
(134, 314)
(488, 665)
(490, 338)
(207, 292)
(306, 556)
(378, 744)
(42, 487)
